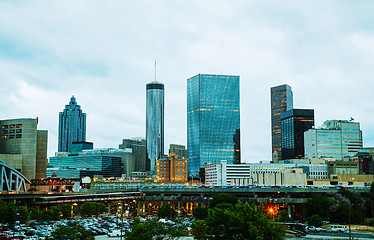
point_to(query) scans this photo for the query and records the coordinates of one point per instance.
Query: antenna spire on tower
(155, 70)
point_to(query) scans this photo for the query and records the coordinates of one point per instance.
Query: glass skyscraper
(213, 120)
(72, 126)
(336, 139)
(281, 101)
(155, 122)
(293, 124)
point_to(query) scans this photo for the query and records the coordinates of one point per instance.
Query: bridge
(146, 200)
(11, 179)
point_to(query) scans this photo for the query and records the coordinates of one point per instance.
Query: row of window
(12, 136)
(12, 126)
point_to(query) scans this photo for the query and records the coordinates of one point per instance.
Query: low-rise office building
(343, 167)
(172, 169)
(343, 180)
(222, 174)
(88, 163)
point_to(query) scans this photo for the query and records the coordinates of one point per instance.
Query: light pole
(349, 220)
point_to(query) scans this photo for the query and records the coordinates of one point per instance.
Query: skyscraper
(293, 125)
(72, 126)
(336, 139)
(213, 120)
(281, 101)
(155, 122)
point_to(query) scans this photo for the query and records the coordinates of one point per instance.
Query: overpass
(146, 200)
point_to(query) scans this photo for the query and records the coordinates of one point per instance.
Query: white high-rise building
(336, 139)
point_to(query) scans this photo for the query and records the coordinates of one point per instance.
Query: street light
(272, 212)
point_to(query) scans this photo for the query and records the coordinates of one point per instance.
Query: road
(104, 237)
(356, 236)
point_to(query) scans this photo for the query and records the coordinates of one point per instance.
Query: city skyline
(104, 55)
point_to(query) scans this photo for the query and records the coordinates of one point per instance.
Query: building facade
(294, 123)
(155, 122)
(24, 147)
(179, 150)
(224, 174)
(213, 120)
(281, 101)
(365, 161)
(343, 167)
(335, 140)
(72, 126)
(105, 162)
(138, 153)
(172, 169)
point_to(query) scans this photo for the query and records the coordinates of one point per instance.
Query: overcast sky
(103, 53)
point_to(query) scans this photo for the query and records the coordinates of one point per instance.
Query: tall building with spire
(281, 101)
(154, 122)
(72, 126)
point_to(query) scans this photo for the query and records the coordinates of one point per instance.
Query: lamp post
(349, 220)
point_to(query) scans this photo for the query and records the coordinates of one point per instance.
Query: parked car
(114, 233)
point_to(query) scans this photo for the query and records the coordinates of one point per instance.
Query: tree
(315, 220)
(35, 213)
(66, 211)
(154, 230)
(71, 232)
(222, 198)
(199, 230)
(242, 221)
(166, 211)
(200, 213)
(92, 209)
(7, 213)
(22, 214)
(319, 205)
(283, 216)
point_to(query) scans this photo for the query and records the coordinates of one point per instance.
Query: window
(12, 126)
(5, 126)
(18, 135)
(18, 125)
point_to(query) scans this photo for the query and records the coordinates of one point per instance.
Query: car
(114, 233)
(311, 228)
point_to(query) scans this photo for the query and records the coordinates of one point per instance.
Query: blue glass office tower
(294, 123)
(72, 126)
(154, 123)
(213, 120)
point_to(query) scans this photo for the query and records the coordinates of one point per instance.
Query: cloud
(104, 53)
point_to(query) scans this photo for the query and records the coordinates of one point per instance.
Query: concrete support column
(138, 207)
(179, 209)
(109, 207)
(290, 210)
